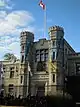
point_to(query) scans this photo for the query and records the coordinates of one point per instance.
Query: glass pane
(53, 56)
(42, 57)
(38, 58)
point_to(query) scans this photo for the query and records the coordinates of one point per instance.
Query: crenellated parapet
(56, 28)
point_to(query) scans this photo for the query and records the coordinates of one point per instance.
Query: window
(21, 79)
(53, 43)
(42, 57)
(11, 74)
(16, 69)
(3, 68)
(2, 86)
(23, 48)
(53, 57)
(37, 51)
(11, 88)
(38, 58)
(66, 51)
(11, 68)
(22, 59)
(46, 57)
(53, 33)
(46, 50)
(41, 51)
(78, 68)
(53, 77)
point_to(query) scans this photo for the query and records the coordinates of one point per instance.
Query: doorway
(41, 91)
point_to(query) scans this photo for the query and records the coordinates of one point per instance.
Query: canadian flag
(42, 5)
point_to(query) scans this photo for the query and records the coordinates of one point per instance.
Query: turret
(26, 39)
(56, 32)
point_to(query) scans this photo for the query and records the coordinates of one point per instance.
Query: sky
(20, 15)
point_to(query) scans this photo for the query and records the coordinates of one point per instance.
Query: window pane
(42, 57)
(46, 50)
(11, 88)
(37, 51)
(53, 77)
(22, 48)
(46, 57)
(22, 59)
(11, 74)
(66, 51)
(21, 79)
(38, 58)
(53, 43)
(53, 57)
(41, 51)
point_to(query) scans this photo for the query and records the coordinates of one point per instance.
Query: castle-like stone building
(43, 65)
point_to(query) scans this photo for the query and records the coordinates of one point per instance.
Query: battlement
(26, 33)
(56, 28)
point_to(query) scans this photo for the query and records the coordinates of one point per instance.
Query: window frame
(11, 74)
(53, 78)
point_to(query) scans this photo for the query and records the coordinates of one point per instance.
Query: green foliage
(9, 56)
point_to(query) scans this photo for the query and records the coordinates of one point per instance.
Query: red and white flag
(42, 5)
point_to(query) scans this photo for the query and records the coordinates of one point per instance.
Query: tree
(9, 56)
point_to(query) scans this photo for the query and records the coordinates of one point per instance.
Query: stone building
(73, 64)
(42, 66)
(11, 80)
(47, 60)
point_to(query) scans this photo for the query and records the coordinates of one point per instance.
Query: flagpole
(45, 22)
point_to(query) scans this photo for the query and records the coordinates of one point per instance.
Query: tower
(26, 43)
(56, 55)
